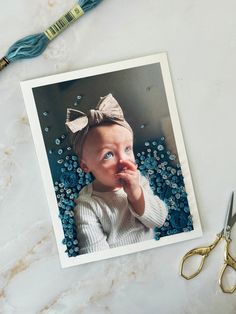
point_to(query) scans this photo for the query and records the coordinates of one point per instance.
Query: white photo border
(27, 90)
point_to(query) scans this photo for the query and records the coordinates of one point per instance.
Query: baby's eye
(108, 155)
(128, 149)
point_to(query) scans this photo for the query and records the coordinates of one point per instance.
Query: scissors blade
(229, 218)
(233, 220)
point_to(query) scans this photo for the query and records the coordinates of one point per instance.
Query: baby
(118, 208)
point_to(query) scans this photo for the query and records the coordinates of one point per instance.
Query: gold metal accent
(202, 251)
(228, 262)
(3, 63)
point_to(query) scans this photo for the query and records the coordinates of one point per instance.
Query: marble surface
(200, 38)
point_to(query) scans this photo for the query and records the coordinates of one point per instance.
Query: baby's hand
(129, 178)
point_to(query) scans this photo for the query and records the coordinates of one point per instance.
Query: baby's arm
(90, 234)
(155, 211)
(145, 206)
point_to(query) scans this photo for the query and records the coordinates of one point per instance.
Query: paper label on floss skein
(60, 25)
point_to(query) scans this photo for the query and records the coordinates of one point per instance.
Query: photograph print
(112, 158)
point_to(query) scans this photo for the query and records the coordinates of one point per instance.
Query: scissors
(230, 220)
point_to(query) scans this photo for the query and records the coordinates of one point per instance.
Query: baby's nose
(121, 166)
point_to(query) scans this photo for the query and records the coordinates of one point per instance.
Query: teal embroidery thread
(33, 45)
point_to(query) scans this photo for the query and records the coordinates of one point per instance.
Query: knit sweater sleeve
(155, 211)
(90, 234)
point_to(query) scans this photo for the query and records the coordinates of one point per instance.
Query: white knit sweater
(107, 220)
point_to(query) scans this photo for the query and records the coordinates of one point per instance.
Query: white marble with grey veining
(200, 38)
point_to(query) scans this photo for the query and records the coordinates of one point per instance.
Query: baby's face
(104, 149)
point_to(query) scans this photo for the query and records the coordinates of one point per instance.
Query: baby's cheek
(109, 165)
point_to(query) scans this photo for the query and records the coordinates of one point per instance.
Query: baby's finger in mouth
(129, 163)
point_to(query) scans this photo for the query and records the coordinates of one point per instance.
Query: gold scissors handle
(228, 262)
(202, 251)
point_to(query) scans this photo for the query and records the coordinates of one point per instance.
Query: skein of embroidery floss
(33, 45)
